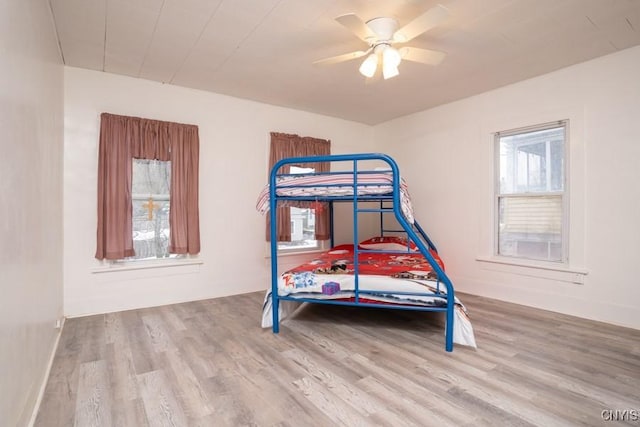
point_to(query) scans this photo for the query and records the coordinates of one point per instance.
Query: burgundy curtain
(124, 138)
(286, 145)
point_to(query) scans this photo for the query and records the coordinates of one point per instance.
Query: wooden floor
(209, 363)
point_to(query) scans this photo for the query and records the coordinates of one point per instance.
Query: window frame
(564, 194)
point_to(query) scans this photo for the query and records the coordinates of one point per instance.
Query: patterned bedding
(385, 276)
(339, 184)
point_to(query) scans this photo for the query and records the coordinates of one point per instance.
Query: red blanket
(339, 260)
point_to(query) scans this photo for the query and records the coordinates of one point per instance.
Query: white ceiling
(263, 49)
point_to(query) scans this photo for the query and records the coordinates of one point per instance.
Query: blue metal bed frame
(414, 232)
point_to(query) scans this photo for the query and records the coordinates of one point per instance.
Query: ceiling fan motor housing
(383, 28)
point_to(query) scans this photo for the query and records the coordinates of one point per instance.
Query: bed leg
(449, 330)
(275, 309)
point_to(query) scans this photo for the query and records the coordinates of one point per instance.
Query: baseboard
(45, 380)
(591, 309)
(161, 304)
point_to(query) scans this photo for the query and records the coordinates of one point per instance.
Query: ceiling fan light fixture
(369, 65)
(390, 60)
(391, 57)
(389, 71)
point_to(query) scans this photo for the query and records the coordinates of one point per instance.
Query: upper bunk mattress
(336, 184)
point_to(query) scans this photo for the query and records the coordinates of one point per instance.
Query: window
(124, 139)
(303, 223)
(530, 192)
(150, 190)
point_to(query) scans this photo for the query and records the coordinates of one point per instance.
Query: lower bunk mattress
(384, 278)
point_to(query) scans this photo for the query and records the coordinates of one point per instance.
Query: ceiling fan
(382, 33)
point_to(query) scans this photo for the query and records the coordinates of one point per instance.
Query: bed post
(448, 332)
(273, 240)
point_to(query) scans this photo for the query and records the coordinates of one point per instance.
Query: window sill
(323, 247)
(144, 265)
(561, 272)
(285, 253)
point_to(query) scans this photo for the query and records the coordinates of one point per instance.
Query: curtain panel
(124, 138)
(285, 145)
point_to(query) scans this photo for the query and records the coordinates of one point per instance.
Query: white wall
(31, 103)
(234, 142)
(446, 154)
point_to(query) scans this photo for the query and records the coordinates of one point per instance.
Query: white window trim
(323, 245)
(144, 264)
(533, 268)
(563, 264)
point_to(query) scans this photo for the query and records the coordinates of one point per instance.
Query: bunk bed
(399, 269)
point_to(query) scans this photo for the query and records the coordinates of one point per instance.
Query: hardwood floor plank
(337, 410)
(407, 411)
(160, 403)
(502, 396)
(58, 402)
(158, 334)
(93, 343)
(486, 409)
(277, 383)
(321, 337)
(144, 359)
(127, 413)
(93, 402)
(194, 400)
(122, 373)
(347, 391)
(335, 353)
(200, 357)
(410, 382)
(114, 331)
(171, 318)
(244, 402)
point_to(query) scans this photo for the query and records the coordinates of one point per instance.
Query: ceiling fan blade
(341, 58)
(424, 56)
(428, 20)
(356, 25)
